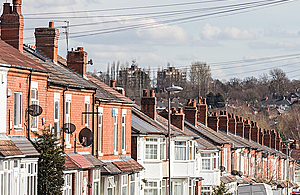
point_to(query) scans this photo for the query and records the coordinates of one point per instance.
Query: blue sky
(264, 32)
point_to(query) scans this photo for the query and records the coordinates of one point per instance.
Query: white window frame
(96, 180)
(68, 118)
(56, 119)
(115, 122)
(34, 101)
(179, 147)
(210, 157)
(31, 178)
(86, 109)
(67, 189)
(151, 186)
(100, 131)
(177, 183)
(132, 182)
(18, 109)
(124, 185)
(124, 113)
(111, 184)
(151, 148)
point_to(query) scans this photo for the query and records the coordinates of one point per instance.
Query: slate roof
(207, 133)
(106, 93)
(95, 161)
(11, 56)
(141, 126)
(110, 169)
(276, 102)
(59, 74)
(25, 146)
(202, 143)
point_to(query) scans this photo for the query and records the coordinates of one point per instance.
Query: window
(67, 189)
(209, 161)
(151, 148)
(100, 130)
(206, 190)
(180, 150)
(56, 115)
(115, 118)
(68, 118)
(96, 185)
(18, 102)
(124, 184)
(124, 131)
(31, 178)
(192, 185)
(151, 188)
(34, 101)
(132, 184)
(162, 149)
(163, 187)
(205, 164)
(110, 186)
(86, 109)
(177, 188)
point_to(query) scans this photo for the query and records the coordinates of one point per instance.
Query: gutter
(23, 68)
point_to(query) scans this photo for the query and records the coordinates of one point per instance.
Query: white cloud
(283, 45)
(211, 32)
(185, 57)
(274, 31)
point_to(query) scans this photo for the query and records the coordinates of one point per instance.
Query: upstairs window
(180, 150)
(18, 102)
(34, 101)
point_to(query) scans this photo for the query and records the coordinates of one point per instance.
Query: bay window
(124, 184)
(209, 161)
(111, 186)
(151, 188)
(132, 184)
(96, 180)
(155, 149)
(180, 150)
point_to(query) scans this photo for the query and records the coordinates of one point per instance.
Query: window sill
(68, 146)
(17, 128)
(123, 152)
(116, 153)
(100, 154)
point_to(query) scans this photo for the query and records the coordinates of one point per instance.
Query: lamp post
(169, 90)
(287, 142)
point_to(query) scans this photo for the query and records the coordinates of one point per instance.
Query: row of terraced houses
(126, 150)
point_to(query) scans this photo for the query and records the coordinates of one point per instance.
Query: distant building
(169, 76)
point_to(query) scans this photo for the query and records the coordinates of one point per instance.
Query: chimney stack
(213, 121)
(77, 60)
(223, 121)
(278, 142)
(247, 130)
(254, 132)
(112, 83)
(232, 123)
(202, 111)
(273, 138)
(261, 136)
(148, 104)
(46, 41)
(12, 24)
(190, 112)
(267, 138)
(240, 126)
(177, 118)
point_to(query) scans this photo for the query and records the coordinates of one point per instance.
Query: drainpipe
(63, 131)
(93, 122)
(28, 104)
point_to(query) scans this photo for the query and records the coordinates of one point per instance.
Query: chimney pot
(173, 110)
(221, 112)
(51, 24)
(204, 100)
(7, 9)
(189, 102)
(79, 48)
(144, 92)
(152, 94)
(194, 104)
(180, 110)
(112, 83)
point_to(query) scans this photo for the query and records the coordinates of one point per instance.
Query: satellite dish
(69, 127)
(86, 137)
(35, 110)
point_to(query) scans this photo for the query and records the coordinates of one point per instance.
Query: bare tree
(200, 77)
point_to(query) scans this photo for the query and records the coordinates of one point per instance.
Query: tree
(50, 164)
(219, 100)
(210, 99)
(279, 82)
(221, 190)
(200, 76)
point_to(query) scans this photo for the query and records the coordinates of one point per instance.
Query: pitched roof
(95, 161)
(80, 161)
(106, 93)
(9, 148)
(202, 142)
(11, 56)
(110, 169)
(58, 74)
(25, 146)
(142, 126)
(128, 165)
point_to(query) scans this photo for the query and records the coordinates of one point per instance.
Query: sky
(259, 33)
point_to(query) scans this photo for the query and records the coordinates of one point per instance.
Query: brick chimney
(77, 60)
(12, 24)
(261, 136)
(239, 126)
(232, 123)
(223, 121)
(273, 138)
(267, 138)
(202, 111)
(247, 129)
(46, 41)
(112, 83)
(213, 121)
(190, 112)
(254, 132)
(177, 118)
(148, 103)
(278, 142)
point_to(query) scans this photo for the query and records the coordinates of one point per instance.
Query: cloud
(211, 33)
(279, 33)
(185, 57)
(283, 45)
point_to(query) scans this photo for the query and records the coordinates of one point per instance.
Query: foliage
(50, 164)
(221, 190)
(215, 101)
(289, 124)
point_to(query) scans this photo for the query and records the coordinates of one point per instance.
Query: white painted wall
(3, 99)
